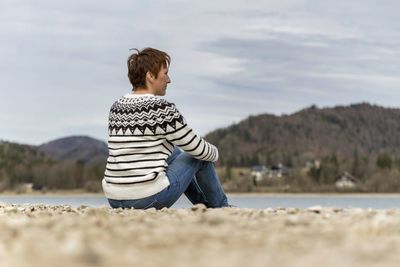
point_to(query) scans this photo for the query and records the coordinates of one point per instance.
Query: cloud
(287, 61)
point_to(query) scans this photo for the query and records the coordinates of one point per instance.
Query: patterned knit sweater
(143, 130)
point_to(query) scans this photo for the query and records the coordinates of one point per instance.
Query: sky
(63, 63)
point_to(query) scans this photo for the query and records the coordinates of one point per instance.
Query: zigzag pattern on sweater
(132, 105)
(143, 113)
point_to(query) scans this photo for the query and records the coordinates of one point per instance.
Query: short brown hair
(140, 62)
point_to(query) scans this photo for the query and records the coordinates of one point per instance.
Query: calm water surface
(242, 201)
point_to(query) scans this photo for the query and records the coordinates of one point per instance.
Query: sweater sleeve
(185, 138)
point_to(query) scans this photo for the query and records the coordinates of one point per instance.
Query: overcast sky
(63, 63)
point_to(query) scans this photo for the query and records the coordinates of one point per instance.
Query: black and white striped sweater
(143, 130)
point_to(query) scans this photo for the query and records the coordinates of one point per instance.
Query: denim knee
(175, 153)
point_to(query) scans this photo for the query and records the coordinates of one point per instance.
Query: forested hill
(66, 163)
(317, 144)
(312, 133)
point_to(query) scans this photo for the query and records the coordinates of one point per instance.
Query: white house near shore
(346, 181)
(260, 172)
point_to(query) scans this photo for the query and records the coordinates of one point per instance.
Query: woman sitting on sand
(145, 167)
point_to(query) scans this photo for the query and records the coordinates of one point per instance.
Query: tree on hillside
(384, 161)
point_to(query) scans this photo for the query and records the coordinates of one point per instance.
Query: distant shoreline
(234, 194)
(52, 193)
(335, 194)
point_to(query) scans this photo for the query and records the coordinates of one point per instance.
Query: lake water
(241, 201)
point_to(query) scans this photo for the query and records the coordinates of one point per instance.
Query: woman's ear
(149, 76)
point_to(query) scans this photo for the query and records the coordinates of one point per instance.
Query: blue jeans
(195, 178)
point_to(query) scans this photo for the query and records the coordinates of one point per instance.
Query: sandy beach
(38, 235)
